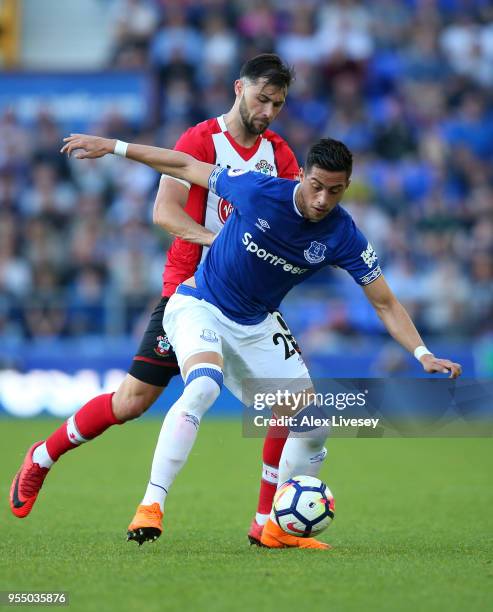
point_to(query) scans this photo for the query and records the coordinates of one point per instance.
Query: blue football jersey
(266, 246)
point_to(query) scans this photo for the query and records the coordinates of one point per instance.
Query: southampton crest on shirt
(163, 346)
(264, 167)
(315, 253)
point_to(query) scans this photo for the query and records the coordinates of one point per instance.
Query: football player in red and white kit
(238, 139)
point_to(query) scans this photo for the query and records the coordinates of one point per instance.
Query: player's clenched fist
(432, 364)
(87, 146)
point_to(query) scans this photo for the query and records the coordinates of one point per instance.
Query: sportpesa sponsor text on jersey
(267, 246)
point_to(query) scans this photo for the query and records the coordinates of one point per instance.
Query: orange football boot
(146, 525)
(274, 537)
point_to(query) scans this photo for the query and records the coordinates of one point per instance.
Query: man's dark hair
(331, 155)
(270, 67)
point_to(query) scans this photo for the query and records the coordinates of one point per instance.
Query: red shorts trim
(164, 364)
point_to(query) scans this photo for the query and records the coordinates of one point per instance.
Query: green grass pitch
(413, 527)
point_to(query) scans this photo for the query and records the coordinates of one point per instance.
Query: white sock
(175, 442)
(179, 430)
(304, 450)
(41, 456)
(300, 456)
(270, 474)
(261, 518)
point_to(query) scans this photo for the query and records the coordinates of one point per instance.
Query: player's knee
(201, 393)
(202, 387)
(206, 391)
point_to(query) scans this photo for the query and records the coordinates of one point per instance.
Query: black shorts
(155, 361)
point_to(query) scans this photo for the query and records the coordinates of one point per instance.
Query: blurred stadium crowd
(407, 85)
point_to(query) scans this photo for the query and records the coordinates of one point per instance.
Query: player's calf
(133, 398)
(180, 427)
(304, 450)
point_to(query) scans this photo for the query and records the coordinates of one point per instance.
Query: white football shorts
(257, 358)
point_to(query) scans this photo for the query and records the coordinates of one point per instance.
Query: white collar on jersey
(222, 123)
(296, 209)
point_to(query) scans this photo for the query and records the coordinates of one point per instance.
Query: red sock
(271, 455)
(87, 423)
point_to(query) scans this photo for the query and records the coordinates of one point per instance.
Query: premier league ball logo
(315, 253)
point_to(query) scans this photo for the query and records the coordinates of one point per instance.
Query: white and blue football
(304, 506)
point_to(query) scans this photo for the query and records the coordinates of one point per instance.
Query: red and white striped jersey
(211, 142)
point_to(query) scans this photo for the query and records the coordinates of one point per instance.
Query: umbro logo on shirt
(262, 224)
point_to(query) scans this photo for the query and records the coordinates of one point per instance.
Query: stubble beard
(247, 123)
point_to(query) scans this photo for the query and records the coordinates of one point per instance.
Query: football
(304, 506)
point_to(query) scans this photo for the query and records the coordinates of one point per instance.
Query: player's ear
(238, 87)
(302, 174)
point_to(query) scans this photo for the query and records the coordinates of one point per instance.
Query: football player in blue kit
(219, 321)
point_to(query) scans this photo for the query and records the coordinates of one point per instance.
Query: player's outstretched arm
(170, 214)
(177, 164)
(400, 326)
